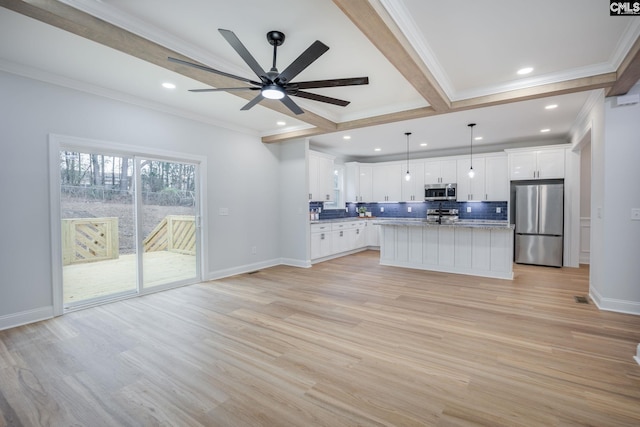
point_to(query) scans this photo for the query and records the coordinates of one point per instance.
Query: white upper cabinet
(320, 177)
(471, 188)
(386, 182)
(537, 164)
(440, 171)
(358, 182)
(413, 190)
(490, 182)
(496, 178)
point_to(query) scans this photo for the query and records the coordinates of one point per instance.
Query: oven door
(435, 192)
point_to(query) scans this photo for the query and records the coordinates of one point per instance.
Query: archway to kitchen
(128, 222)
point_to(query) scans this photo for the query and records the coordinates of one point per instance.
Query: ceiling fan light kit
(278, 85)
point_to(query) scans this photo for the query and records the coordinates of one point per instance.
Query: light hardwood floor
(346, 342)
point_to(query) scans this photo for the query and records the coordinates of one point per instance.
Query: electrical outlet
(223, 211)
(408, 208)
(254, 250)
(381, 208)
(635, 214)
(498, 209)
(468, 209)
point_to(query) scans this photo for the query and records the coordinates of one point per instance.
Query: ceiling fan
(274, 84)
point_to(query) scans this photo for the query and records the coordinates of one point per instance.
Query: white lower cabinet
(464, 250)
(373, 234)
(320, 240)
(329, 239)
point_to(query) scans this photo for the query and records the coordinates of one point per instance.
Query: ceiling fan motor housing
(275, 38)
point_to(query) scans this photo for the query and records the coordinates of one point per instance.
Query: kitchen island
(466, 247)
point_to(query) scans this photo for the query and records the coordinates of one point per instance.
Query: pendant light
(407, 177)
(471, 173)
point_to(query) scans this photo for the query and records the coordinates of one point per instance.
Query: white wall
(294, 201)
(243, 176)
(615, 239)
(620, 288)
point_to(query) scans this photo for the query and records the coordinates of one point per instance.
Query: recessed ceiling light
(478, 138)
(281, 123)
(424, 144)
(526, 70)
(168, 85)
(346, 137)
(545, 130)
(551, 106)
(377, 149)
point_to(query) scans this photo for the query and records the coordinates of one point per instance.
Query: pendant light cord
(407, 133)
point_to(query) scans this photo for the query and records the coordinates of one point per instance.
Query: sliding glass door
(128, 225)
(168, 215)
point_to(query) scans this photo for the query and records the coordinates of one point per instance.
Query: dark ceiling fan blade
(224, 89)
(321, 98)
(253, 102)
(237, 45)
(354, 81)
(211, 70)
(305, 59)
(292, 105)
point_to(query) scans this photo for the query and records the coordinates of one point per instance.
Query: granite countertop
(472, 223)
(420, 222)
(351, 218)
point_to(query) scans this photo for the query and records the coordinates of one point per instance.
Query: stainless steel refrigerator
(539, 220)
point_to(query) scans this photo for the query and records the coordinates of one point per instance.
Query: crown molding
(58, 80)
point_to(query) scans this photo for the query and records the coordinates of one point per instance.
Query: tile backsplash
(479, 210)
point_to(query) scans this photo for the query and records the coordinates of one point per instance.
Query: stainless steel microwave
(440, 192)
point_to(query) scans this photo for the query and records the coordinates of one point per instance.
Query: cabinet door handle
(309, 196)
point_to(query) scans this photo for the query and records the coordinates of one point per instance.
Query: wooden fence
(89, 239)
(175, 233)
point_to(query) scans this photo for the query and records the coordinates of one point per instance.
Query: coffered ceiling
(433, 66)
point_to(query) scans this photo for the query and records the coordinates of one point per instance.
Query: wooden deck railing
(96, 239)
(175, 233)
(89, 239)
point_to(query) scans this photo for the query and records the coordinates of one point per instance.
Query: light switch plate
(223, 211)
(635, 214)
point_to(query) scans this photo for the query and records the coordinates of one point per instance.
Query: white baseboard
(241, 269)
(24, 317)
(296, 262)
(611, 304)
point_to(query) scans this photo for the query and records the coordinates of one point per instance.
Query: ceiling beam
(628, 72)
(543, 91)
(375, 23)
(77, 22)
(601, 81)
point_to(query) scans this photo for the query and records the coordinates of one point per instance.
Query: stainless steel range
(442, 216)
